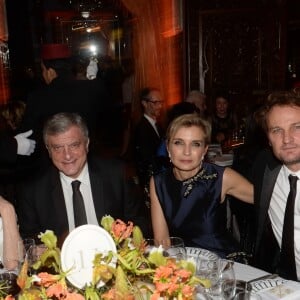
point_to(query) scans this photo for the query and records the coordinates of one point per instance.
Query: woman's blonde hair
(189, 120)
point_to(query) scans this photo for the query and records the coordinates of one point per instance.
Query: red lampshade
(55, 51)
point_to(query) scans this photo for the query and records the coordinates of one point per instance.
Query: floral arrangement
(138, 274)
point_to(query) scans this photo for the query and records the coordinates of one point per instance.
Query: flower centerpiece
(137, 273)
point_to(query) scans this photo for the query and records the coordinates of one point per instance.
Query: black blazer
(264, 175)
(8, 149)
(146, 142)
(41, 204)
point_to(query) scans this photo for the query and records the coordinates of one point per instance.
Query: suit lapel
(97, 190)
(269, 180)
(151, 129)
(59, 201)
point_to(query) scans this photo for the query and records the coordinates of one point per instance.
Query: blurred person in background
(199, 100)
(147, 134)
(63, 93)
(224, 120)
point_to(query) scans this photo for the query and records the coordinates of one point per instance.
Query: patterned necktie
(78, 205)
(287, 255)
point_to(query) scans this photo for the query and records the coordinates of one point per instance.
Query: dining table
(268, 286)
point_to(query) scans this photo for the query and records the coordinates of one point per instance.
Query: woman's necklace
(191, 182)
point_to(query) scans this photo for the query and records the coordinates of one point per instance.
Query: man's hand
(26, 146)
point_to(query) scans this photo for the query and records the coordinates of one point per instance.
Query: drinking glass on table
(33, 255)
(227, 279)
(207, 268)
(174, 247)
(220, 272)
(23, 247)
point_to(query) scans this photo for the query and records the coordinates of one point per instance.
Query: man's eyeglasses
(60, 148)
(155, 102)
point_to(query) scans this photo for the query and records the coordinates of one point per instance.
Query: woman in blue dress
(188, 199)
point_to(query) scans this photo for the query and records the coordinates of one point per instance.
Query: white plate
(265, 284)
(79, 249)
(195, 252)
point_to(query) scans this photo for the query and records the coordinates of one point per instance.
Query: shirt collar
(83, 176)
(287, 172)
(151, 120)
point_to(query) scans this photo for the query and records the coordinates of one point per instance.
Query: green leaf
(49, 239)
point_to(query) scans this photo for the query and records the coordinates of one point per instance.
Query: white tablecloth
(269, 289)
(246, 273)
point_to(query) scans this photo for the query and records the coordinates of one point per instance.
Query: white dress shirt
(153, 123)
(277, 210)
(86, 191)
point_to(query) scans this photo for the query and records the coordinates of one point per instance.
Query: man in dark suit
(46, 202)
(280, 117)
(63, 93)
(148, 134)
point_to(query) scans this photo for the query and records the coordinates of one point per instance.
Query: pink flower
(58, 290)
(120, 230)
(47, 279)
(74, 296)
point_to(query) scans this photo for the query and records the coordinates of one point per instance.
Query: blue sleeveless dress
(193, 210)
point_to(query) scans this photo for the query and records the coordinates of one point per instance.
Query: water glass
(150, 244)
(227, 278)
(33, 255)
(206, 268)
(23, 247)
(222, 282)
(174, 247)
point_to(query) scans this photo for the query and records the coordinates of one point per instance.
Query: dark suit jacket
(146, 142)
(8, 149)
(264, 175)
(41, 205)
